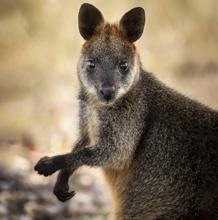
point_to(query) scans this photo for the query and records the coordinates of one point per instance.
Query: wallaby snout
(107, 93)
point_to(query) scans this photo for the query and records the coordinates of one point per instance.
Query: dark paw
(46, 166)
(62, 193)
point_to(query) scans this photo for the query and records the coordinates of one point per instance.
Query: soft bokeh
(39, 48)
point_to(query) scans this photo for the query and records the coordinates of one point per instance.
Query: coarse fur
(157, 148)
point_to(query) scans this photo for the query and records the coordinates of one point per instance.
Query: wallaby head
(109, 65)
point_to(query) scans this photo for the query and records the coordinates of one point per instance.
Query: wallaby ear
(132, 24)
(90, 20)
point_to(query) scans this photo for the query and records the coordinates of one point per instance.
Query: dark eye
(91, 64)
(123, 66)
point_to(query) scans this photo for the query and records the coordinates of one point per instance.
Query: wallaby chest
(93, 124)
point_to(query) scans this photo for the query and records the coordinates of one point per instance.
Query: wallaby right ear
(90, 20)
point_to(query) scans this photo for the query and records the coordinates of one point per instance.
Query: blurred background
(39, 48)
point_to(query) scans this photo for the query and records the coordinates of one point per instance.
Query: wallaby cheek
(124, 86)
(128, 81)
(84, 77)
(87, 83)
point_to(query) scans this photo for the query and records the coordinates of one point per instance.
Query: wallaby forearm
(97, 155)
(105, 155)
(101, 155)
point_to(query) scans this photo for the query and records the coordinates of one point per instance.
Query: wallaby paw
(46, 166)
(62, 193)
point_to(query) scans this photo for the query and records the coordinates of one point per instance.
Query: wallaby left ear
(132, 24)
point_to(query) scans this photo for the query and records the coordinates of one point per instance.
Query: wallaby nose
(107, 93)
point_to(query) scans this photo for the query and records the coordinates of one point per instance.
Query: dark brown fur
(157, 149)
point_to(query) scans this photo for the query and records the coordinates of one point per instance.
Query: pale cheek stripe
(134, 77)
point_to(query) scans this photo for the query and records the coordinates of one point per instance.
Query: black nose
(107, 93)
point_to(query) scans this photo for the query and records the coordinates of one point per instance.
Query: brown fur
(157, 148)
(117, 181)
(108, 31)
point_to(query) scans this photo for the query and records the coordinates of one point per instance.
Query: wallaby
(157, 148)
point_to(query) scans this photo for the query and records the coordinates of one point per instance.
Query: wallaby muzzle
(107, 93)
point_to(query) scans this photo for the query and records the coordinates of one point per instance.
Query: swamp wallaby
(157, 148)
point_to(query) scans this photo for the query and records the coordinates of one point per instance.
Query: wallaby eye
(123, 66)
(91, 64)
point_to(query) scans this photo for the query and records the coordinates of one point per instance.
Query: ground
(24, 195)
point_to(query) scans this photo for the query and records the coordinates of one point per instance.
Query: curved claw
(65, 196)
(62, 194)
